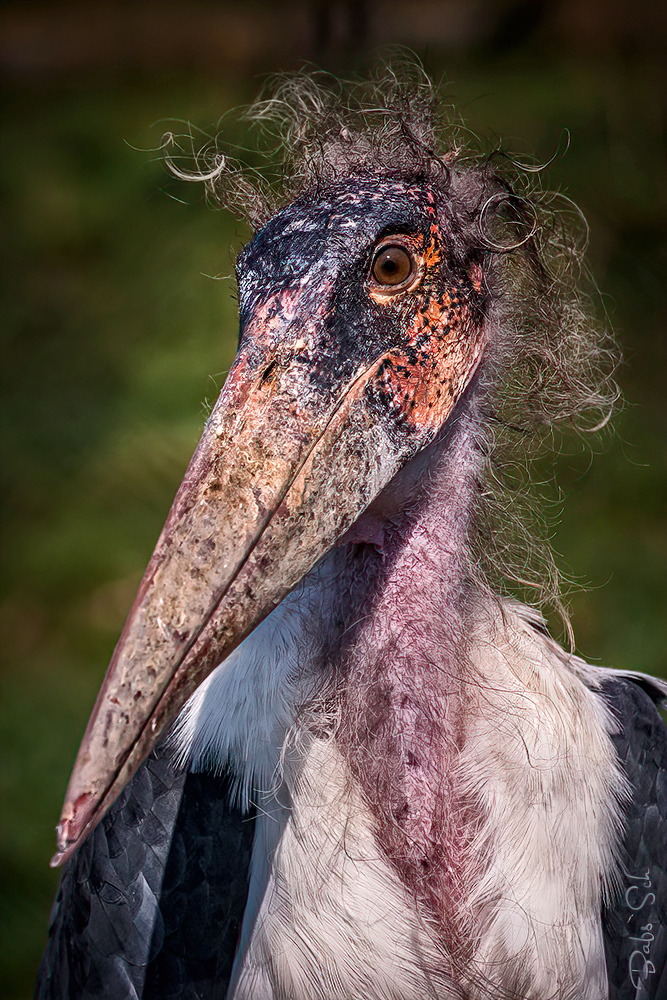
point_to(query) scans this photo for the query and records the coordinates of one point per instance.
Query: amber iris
(393, 266)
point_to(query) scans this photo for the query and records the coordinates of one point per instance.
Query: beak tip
(63, 845)
(70, 830)
(65, 848)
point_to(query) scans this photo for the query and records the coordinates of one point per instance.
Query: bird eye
(393, 266)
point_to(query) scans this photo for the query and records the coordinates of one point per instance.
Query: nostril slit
(268, 372)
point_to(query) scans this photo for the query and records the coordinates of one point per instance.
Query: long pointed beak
(287, 462)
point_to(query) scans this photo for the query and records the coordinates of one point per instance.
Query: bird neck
(406, 671)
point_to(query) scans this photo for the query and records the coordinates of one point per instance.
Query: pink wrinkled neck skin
(404, 700)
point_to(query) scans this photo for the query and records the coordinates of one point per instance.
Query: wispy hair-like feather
(551, 363)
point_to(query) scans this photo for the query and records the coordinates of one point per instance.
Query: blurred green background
(116, 333)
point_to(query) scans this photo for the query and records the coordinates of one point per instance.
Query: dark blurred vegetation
(116, 335)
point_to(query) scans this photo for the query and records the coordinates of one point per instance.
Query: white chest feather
(328, 917)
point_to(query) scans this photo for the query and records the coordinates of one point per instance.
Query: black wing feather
(150, 908)
(635, 923)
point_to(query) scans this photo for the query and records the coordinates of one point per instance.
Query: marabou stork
(385, 779)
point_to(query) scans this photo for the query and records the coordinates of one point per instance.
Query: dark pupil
(389, 266)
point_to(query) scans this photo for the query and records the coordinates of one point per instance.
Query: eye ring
(393, 268)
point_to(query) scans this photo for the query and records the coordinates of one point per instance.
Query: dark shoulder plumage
(635, 921)
(150, 907)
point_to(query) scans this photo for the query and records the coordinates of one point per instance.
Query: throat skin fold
(405, 686)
